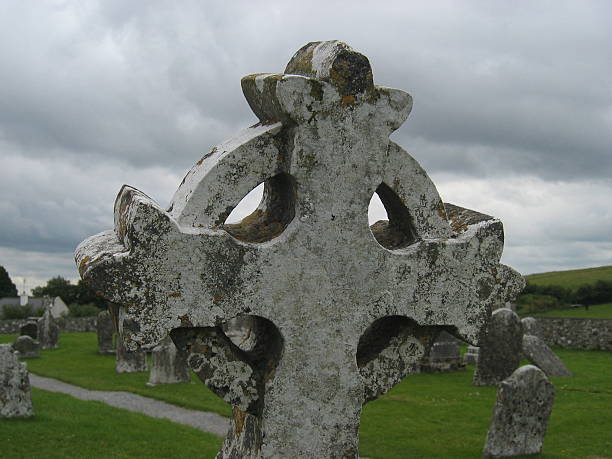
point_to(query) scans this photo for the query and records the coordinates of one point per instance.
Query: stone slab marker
(500, 350)
(15, 392)
(168, 365)
(340, 312)
(48, 331)
(26, 347)
(105, 331)
(538, 353)
(471, 355)
(130, 361)
(520, 417)
(530, 326)
(444, 355)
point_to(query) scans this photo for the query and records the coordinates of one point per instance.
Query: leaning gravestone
(130, 361)
(501, 349)
(15, 393)
(30, 328)
(538, 353)
(530, 326)
(168, 365)
(520, 417)
(48, 331)
(26, 347)
(105, 331)
(342, 313)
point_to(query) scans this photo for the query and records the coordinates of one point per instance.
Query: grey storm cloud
(97, 94)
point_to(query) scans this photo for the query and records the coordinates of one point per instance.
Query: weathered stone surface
(530, 326)
(168, 365)
(500, 350)
(48, 331)
(15, 393)
(27, 347)
(520, 417)
(105, 331)
(538, 353)
(130, 361)
(30, 328)
(340, 312)
(471, 355)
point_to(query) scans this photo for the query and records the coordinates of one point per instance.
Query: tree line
(538, 298)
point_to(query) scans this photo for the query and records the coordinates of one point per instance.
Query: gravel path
(208, 422)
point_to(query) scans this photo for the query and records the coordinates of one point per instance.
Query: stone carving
(48, 331)
(538, 353)
(530, 326)
(26, 347)
(471, 355)
(500, 350)
(15, 393)
(105, 331)
(520, 417)
(30, 328)
(340, 312)
(444, 355)
(168, 365)
(130, 361)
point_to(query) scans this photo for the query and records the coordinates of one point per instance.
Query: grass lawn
(573, 278)
(64, 427)
(598, 311)
(425, 416)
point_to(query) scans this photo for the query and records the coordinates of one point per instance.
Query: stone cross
(340, 312)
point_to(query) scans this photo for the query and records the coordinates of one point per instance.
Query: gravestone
(539, 354)
(444, 355)
(15, 393)
(48, 331)
(520, 417)
(128, 361)
(471, 355)
(341, 313)
(105, 331)
(530, 326)
(500, 350)
(30, 328)
(168, 365)
(27, 347)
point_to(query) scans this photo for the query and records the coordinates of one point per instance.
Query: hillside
(571, 279)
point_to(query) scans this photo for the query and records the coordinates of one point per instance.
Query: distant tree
(85, 295)
(57, 286)
(7, 288)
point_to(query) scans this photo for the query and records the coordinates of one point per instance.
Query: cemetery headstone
(471, 355)
(48, 331)
(530, 326)
(128, 361)
(168, 365)
(444, 355)
(27, 347)
(30, 328)
(501, 349)
(539, 354)
(15, 393)
(105, 331)
(520, 417)
(342, 313)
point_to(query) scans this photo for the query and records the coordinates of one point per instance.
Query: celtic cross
(339, 312)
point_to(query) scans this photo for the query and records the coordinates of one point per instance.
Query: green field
(573, 278)
(425, 416)
(598, 311)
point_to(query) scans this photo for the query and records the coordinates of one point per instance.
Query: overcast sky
(512, 109)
